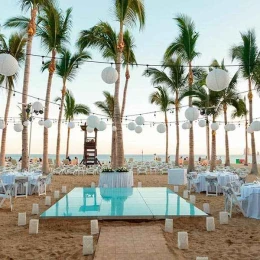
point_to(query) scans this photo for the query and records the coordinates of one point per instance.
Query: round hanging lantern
(8, 64)
(229, 127)
(192, 113)
(18, 127)
(93, 121)
(250, 130)
(217, 80)
(102, 126)
(37, 106)
(47, 123)
(2, 124)
(26, 123)
(214, 126)
(131, 126)
(186, 125)
(71, 125)
(114, 128)
(139, 120)
(202, 123)
(90, 129)
(138, 129)
(255, 126)
(161, 128)
(109, 75)
(41, 122)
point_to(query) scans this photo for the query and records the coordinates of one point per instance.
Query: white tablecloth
(116, 179)
(223, 179)
(251, 194)
(177, 176)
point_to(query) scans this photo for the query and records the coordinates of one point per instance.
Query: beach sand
(62, 239)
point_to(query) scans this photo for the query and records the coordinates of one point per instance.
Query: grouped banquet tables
(223, 179)
(177, 176)
(250, 193)
(116, 179)
(8, 178)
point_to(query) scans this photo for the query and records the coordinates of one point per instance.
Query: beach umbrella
(138, 129)
(93, 121)
(8, 65)
(109, 75)
(214, 126)
(2, 124)
(18, 127)
(161, 128)
(217, 80)
(47, 123)
(255, 126)
(71, 125)
(192, 113)
(202, 123)
(102, 126)
(139, 120)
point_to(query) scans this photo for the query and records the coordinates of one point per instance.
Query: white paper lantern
(8, 64)
(192, 113)
(26, 123)
(109, 75)
(71, 125)
(202, 123)
(138, 129)
(47, 123)
(90, 129)
(114, 128)
(217, 80)
(41, 122)
(93, 121)
(214, 126)
(102, 126)
(37, 106)
(250, 130)
(255, 126)
(139, 120)
(161, 128)
(229, 127)
(186, 125)
(131, 126)
(2, 124)
(18, 127)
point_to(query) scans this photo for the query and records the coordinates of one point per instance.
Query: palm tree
(247, 54)
(185, 46)
(66, 68)
(162, 99)
(107, 107)
(16, 45)
(28, 24)
(54, 32)
(71, 109)
(175, 80)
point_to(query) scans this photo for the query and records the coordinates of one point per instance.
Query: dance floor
(122, 203)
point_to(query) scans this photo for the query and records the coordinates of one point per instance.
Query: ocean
(136, 157)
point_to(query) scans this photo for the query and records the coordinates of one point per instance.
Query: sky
(219, 24)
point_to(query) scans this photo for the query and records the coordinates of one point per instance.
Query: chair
(21, 183)
(41, 185)
(211, 181)
(141, 170)
(242, 178)
(235, 185)
(5, 194)
(90, 171)
(164, 171)
(191, 178)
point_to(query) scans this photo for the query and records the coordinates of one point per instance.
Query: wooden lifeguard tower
(90, 146)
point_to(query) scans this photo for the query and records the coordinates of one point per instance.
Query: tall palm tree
(175, 79)
(71, 109)
(66, 68)
(107, 107)
(162, 99)
(185, 46)
(28, 24)
(16, 45)
(247, 54)
(54, 29)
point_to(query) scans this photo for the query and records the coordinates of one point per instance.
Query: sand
(62, 239)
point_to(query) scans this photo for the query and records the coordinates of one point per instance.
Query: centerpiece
(122, 169)
(107, 169)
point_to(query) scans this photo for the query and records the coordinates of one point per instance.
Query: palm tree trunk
(31, 32)
(254, 169)
(68, 143)
(191, 137)
(167, 137)
(119, 160)
(208, 139)
(213, 150)
(177, 155)
(113, 149)
(63, 92)
(246, 142)
(45, 163)
(127, 77)
(227, 162)
(4, 133)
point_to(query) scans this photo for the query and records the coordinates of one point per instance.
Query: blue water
(109, 203)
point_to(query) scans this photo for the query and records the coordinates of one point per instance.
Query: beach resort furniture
(141, 170)
(211, 181)
(5, 194)
(116, 179)
(40, 186)
(164, 171)
(177, 176)
(191, 178)
(22, 184)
